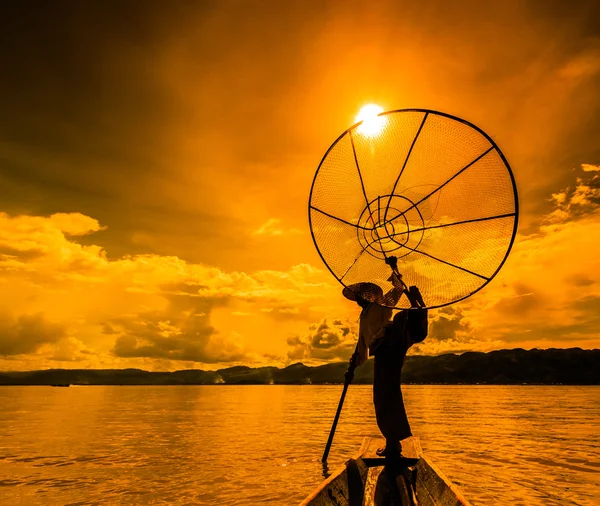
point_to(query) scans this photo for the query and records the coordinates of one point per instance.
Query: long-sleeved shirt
(373, 320)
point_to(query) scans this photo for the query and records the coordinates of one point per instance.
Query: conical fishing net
(428, 188)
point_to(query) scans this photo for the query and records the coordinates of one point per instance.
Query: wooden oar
(348, 377)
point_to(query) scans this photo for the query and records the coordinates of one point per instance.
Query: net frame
(361, 228)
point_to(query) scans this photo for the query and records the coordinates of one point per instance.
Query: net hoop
(409, 232)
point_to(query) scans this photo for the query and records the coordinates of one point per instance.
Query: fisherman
(388, 340)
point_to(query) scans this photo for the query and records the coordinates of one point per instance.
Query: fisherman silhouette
(388, 340)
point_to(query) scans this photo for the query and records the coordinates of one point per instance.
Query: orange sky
(156, 160)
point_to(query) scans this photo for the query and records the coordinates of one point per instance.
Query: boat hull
(368, 480)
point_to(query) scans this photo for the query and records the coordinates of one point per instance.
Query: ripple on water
(244, 445)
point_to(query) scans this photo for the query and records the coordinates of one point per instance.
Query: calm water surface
(518, 445)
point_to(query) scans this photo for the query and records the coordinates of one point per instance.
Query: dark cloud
(447, 324)
(582, 280)
(107, 328)
(326, 337)
(187, 288)
(324, 341)
(588, 306)
(27, 333)
(580, 322)
(23, 255)
(180, 332)
(281, 311)
(522, 305)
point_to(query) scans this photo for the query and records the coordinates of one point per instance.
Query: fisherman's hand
(392, 261)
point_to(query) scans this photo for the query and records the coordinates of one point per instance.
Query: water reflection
(244, 444)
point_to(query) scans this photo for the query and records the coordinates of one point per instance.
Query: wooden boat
(370, 480)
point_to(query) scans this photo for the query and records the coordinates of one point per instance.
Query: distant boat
(366, 480)
(61, 385)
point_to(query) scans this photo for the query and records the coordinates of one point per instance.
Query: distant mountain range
(572, 366)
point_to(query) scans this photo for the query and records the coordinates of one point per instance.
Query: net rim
(445, 115)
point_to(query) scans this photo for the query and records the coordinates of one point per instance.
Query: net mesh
(428, 188)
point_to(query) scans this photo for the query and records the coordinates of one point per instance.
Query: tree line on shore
(572, 366)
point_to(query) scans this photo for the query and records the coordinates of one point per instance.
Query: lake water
(518, 445)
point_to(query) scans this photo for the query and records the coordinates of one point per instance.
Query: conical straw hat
(368, 291)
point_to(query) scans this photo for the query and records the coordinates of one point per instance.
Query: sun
(372, 124)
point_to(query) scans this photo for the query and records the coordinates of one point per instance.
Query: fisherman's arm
(418, 324)
(392, 297)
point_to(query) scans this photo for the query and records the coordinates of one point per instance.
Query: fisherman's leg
(387, 395)
(399, 427)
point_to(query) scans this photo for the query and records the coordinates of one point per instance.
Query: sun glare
(372, 124)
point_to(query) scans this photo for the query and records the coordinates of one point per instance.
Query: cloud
(70, 349)
(27, 333)
(148, 307)
(448, 323)
(38, 247)
(73, 303)
(579, 200)
(474, 343)
(450, 331)
(141, 148)
(28, 237)
(545, 294)
(182, 331)
(272, 227)
(74, 223)
(324, 341)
